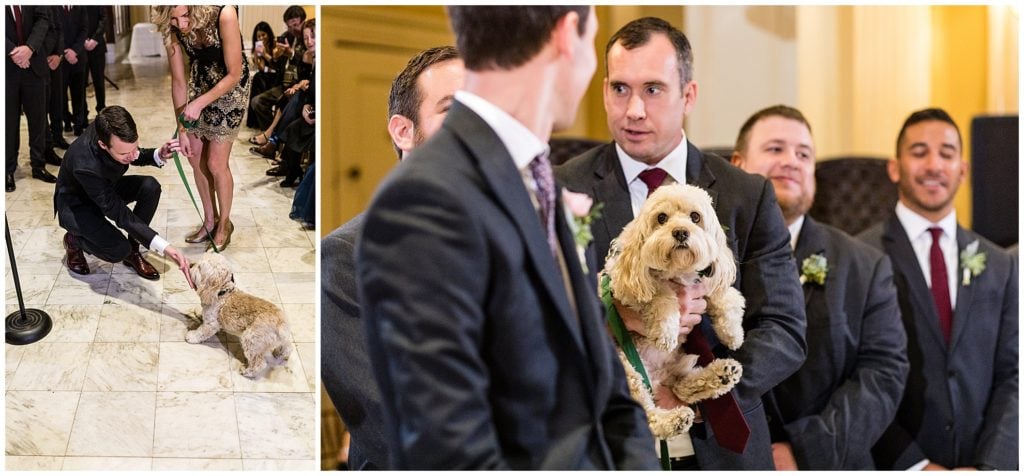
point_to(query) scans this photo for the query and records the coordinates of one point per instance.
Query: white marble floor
(114, 385)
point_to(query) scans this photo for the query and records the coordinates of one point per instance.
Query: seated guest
(268, 70)
(288, 107)
(958, 297)
(92, 188)
(288, 50)
(829, 413)
(419, 99)
(298, 136)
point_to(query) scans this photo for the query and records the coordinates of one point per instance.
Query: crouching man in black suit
(91, 187)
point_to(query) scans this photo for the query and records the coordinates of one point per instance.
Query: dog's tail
(284, 335)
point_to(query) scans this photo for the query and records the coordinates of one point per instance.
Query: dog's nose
(680, 235)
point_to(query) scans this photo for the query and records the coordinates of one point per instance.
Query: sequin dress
(221, 119)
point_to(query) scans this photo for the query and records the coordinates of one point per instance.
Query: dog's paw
(193, 337)
(728, 371)
(666, 424)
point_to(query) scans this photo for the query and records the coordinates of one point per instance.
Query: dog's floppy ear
(631, 280)
(724, 263)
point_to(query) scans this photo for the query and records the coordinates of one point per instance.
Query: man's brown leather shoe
(142, 267)
(75, 258)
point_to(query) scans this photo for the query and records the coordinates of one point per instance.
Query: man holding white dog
(829, 413)
(92, 188)
(648, 91)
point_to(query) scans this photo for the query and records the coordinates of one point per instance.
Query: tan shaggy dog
(259, 324)
(676, 239)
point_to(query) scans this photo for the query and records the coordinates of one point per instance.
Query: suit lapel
(584, 286)
(699, 174)
(964, 294)
(811, 241)
(899, 249)
(611, 190)
(500, 173)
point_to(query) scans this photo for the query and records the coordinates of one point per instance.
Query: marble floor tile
(258, 284)
(292, 260)
(302, 319)
(38, 423)
(280, 465)
(310, 362)
(194, 367)
(121, 322)
(12, 358)
(132, 289)
(105, 463)
(122, 366)
(196, 464)
(52, 366)
(184, 421)
(73, 323)
(35, 288)
(178, 318)
(284, 236)
(291, 286)
(33, 463)
(40, 260)
(290, 418)
(286, 377)
(113, 424)
(248, 260)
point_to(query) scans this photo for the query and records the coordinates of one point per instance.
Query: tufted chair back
(565, 148)
(853, 193)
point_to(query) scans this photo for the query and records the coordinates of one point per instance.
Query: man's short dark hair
(504, 37)
(294, 11)
(638, 32)
(930, 114)
(116, 121)
(405, 97)
(778, 110)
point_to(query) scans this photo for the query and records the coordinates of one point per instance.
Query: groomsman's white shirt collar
(920, 238)
(674, 164)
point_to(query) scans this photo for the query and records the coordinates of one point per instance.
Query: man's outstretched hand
(182, 261)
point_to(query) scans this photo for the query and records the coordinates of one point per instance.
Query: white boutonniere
(814, 269)
(581, 211)
(971, 262)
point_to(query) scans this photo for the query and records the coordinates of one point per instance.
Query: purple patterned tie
(540, 167)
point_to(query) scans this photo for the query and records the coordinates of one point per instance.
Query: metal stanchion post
(24, 326)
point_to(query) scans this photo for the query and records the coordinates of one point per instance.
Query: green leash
(181, 173)
(625, 342)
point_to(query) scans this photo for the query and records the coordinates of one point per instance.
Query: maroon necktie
(722, 413)
(17, 25)
(540, 168)
(940, 286)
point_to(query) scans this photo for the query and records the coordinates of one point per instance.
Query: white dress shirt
(917, 227)
(794, 233)
(674, 164)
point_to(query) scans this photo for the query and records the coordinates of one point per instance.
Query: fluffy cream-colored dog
(676, 239)
(259, 324)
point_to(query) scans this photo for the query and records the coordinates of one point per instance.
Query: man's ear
(566, 35)
(689, 97)
(403, 132)
(736, 159)
(893, 167)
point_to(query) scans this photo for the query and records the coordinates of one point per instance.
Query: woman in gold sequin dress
(215, 92)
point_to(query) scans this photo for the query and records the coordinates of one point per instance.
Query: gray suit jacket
(960, 405)
(838, 404)
(481, 358)
(774, 346)
(344, 361)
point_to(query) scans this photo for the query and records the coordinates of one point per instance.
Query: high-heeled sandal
(227, 239)
(200, 235)
(254, 141)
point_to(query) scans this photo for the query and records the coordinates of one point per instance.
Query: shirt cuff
(159, 162)
(920, 465)
(158, 244)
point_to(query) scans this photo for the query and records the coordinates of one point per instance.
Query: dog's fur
(676, 239)
(259, 324)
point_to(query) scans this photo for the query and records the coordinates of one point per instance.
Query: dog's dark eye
(662, 218)
(695, 217)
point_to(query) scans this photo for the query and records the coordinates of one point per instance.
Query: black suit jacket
(774, 346)
(839, 403)
(35, 23)
(96, 27)
(75, 33)
(86, 179)
(344, 360)
(960, 406)
(475, 345)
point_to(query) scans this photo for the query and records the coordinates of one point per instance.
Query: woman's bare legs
(223, 184)
(203, 180)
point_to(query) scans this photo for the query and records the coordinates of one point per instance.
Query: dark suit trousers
(56, 98)
(74, 81)
(104, 240)
(97, 67)
(25, 91)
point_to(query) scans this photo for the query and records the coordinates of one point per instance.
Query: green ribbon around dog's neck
(181, 173)
(625, 342)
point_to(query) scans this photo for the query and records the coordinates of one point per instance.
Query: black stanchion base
(27, 328)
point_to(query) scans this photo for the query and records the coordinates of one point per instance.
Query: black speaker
(994, 174)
